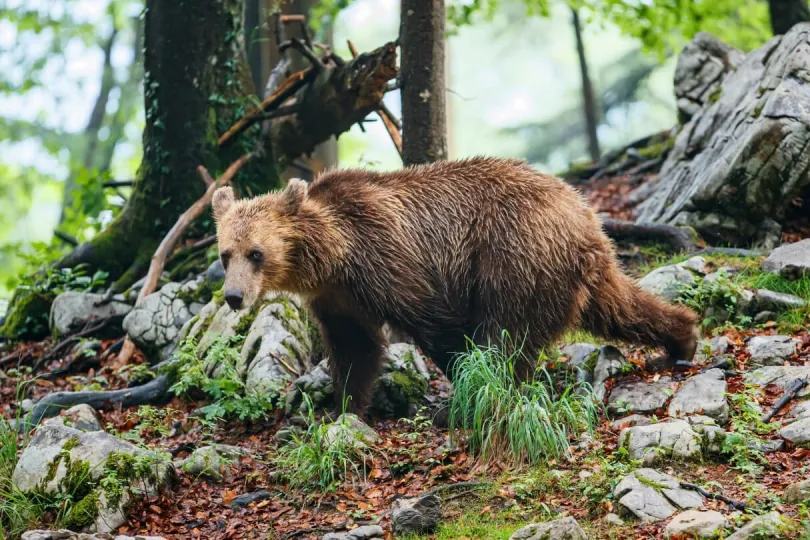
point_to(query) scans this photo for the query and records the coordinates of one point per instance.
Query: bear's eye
(256, 256)
(226, 258)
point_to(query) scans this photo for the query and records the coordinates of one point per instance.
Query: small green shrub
(312, 460)
(227, 391)
(743, 440)
(717, 299)
(528, 423)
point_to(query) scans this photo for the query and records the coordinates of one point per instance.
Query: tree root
(155, 392)
(680, 239)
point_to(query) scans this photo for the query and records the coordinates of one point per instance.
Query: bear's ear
(293, 195)
(222, 201)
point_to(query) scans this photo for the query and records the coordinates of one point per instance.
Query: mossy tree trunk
(196, 85)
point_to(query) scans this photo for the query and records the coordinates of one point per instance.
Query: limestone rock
(349, 429)
(640, 396)
(741, 159)
(771, 350)
(580, 355)
(317, 384)
(694, 523)
(701, 67)
(215, 273)
(209, 461)
(789, 260)
(770, 525)
(667, 281)
(417, 515)
(565, 528)
(630, 421)
(797, 432)
(72, 310)
(367, 532)
(82, 417)
(610, 363)
(776, 301)
(798, 492)
(781, 376)
(666, 440)
(704, 393)
(60, 459)
(651, 496)
(708, 350)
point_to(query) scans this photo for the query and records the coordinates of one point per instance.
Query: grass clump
(324, 456)
(227, 390)
(528, 422)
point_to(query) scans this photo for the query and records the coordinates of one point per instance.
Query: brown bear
(444, 252)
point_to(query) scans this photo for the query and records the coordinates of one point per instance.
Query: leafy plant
(717, 298)
(151, 422)
(227, 390)
(528, 422)
(318, 459)
(743, 441)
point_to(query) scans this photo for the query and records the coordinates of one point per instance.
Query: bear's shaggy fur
(442, 252)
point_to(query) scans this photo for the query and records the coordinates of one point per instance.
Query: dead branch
(678, 238)
(305, 51)
(288, 88)
(790, 392)
(388, 118)
(154, 392)
(86, 331)
(174, 235)
(735, 505)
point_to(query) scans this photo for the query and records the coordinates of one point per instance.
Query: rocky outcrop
(789, 260)
(742, 158)
(651, 496)
(71, 311)
(565, 528)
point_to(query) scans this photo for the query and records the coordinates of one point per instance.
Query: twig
(305, 51)
(283, 111)
(735, 505)
(391, 123)
(790, 392)
(118, 183)
(285, 364)
(174, 235)
(676, 237)
(288, 88)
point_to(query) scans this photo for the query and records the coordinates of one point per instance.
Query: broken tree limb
(176, 233)
(680, 239)
(391, 123)
(790, 392)
(155, 392)
(735, 505)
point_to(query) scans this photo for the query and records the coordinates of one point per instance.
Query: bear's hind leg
(355, 349)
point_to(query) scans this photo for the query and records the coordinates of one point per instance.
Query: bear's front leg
(355, 349)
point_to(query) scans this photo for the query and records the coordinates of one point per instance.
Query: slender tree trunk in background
(424, 120)
(787, 13)
(588, 99)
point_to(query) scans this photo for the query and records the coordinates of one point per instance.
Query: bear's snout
(234, 298)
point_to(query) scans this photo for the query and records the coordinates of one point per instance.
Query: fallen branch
(155, 392)
(790, 393)
(86, 331)
(305, 51)
(735, 505)
(176, 233)
(678, 238)
(288, 88)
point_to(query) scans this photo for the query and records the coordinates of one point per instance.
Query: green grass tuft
(527, 423)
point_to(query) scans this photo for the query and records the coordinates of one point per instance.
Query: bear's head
(256, 239)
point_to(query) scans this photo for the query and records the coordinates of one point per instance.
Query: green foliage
(226, 389)
(742, 442)
(151, 422)
(527, 423)
(317, 460)
(717, 298)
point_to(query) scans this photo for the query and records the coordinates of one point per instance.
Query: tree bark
(588, 99)
(422, 42)
(787, 13)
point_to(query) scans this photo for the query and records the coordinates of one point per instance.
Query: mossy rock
(27, 317)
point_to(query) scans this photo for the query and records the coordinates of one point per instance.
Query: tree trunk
(786, 13)
(422, 42)
(588, 99)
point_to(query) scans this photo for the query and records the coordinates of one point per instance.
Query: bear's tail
(620, 310)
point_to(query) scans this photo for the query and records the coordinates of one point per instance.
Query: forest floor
(491, 500)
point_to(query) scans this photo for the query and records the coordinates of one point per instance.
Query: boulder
(797, 432)
(771, 350)
(609, 363)
(781, 376)
(71, 311)
(673, 439)
(82, 417)
(565, 528)
(652, 496)
(709, 349)
(66, 460)
(791, 261)
(694, 523)
(582, 357)
(667, 281)
(741, 159)
(770, 525)
(210, 461)
(630, 421)
(416, 515)
(704, 393)
(640, 396)
(215, 273)
(775, 301)
(348, 429)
